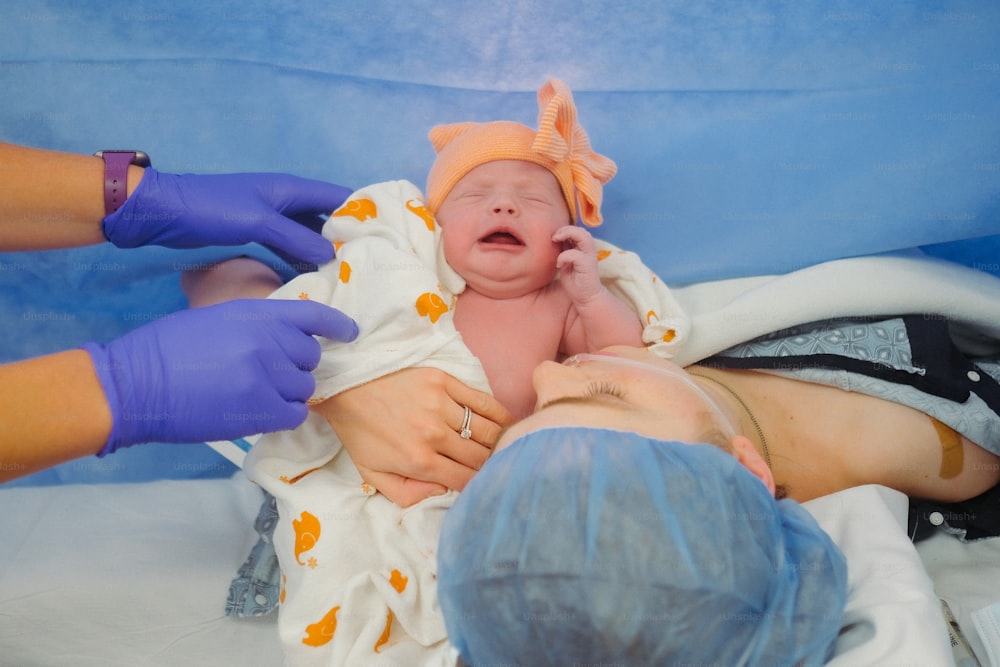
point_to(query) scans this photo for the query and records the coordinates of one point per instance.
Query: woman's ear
(747, 454)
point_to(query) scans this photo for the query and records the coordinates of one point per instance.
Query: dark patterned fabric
(255, 589)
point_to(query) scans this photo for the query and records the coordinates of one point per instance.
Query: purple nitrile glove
(193, 211)
(215, 373)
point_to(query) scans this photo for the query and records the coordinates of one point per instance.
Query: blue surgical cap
(590, 546)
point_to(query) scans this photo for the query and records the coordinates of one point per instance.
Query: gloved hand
(215, 373)
(192, 211)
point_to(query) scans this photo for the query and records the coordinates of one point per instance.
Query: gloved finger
(295, 263)
(313, 318)
(288, 368)
(261, 404)
(291, 382)
(306, 195)
(286, 415)
(310, 220)
(295, 241)
(295, 351)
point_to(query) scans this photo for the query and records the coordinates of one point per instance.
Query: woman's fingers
(403, 491)
(489, 417)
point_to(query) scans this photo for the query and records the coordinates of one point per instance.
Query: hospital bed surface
(137, 574)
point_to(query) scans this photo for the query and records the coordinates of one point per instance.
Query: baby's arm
(597, 319)
(238, 278)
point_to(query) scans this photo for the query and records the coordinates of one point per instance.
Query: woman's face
(625, 389)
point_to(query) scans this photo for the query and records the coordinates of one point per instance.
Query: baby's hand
(578, 264)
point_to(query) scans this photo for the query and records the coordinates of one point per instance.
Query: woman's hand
(401, 431)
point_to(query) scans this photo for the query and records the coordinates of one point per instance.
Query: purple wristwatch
(116, 164)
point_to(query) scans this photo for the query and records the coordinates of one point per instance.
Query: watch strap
(116, 164)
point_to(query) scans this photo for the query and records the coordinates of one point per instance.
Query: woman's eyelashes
(604, 388)
(598, 389)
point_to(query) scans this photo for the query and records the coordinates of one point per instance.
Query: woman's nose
(552, 380)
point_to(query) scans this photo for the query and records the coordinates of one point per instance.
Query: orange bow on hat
(560, 145)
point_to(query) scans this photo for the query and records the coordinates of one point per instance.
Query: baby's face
(498, 223)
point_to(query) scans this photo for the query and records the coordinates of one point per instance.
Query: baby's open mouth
(501, 238)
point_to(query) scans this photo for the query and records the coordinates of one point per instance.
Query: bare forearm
(54, 411)
(50, 199)
(238, 278)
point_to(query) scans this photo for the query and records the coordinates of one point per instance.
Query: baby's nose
(508, 209)
(504, 204)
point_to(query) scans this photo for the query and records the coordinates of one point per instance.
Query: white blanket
(726, 312)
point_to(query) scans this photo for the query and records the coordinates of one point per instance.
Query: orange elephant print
(306, 536)
(431, 305)
(359, 209)
(415, 207)
(321, 632)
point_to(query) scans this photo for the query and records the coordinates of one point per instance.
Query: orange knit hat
(561, 145)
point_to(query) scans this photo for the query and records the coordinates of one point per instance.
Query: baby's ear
(442, 135)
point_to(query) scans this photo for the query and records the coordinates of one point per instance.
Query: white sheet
(967, 577)
(129, 575)
(137, 574)
(893, 615)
